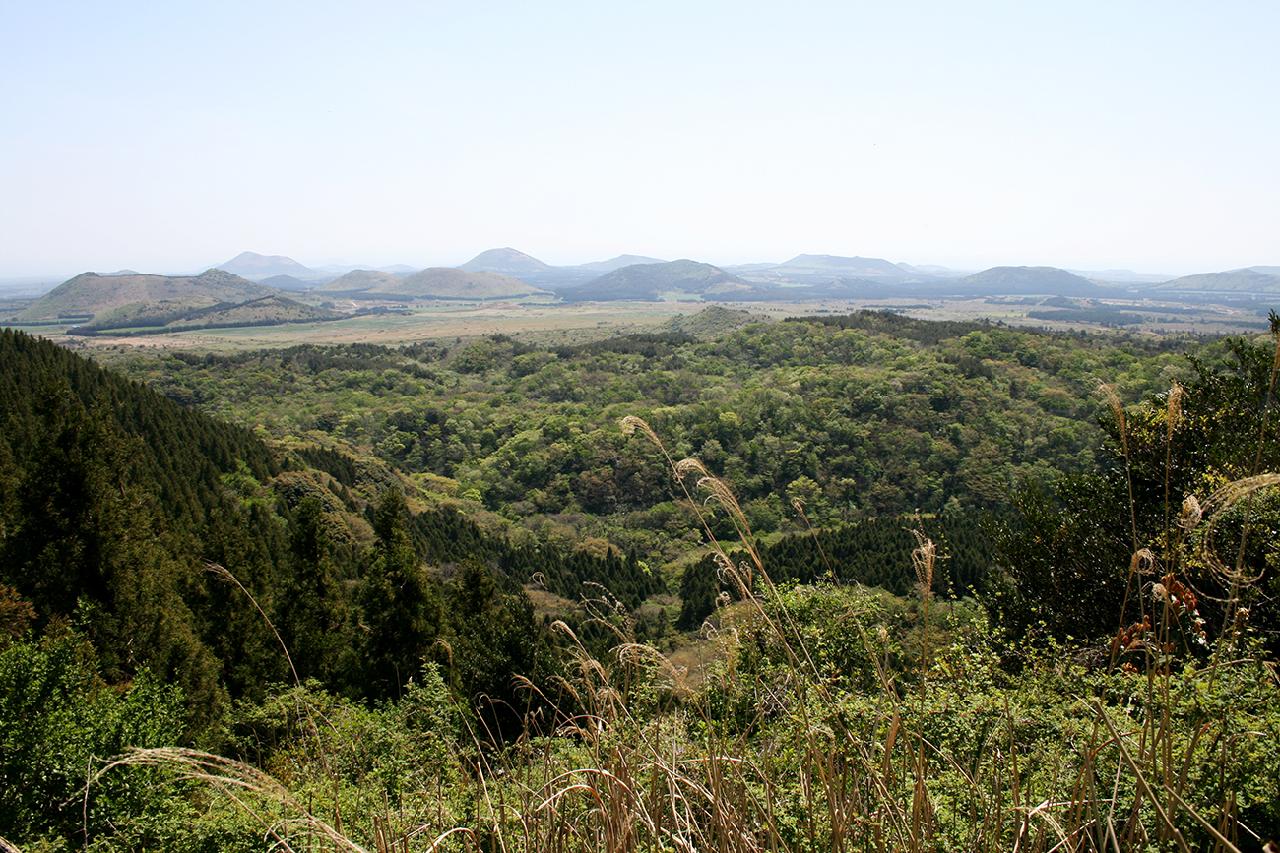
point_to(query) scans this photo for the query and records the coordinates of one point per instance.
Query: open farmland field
(569, 323)
(577, 323)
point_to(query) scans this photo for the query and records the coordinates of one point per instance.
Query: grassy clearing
(572, 324)
(579, 323)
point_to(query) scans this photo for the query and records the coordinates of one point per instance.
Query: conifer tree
(313, 609)
(400, 607)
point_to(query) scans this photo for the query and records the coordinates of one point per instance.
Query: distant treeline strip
(124, 331)
(59, 321)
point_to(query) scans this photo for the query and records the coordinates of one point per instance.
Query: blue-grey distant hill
(822, 271)
(1121, 276)
(1030, 280)
(934, 270)
(816, 277)
(506, 261)
(1247, 280)
(431, 283)
(672, 279)
(256, 267)
(1048, 281)
(805, 277)
(842, 267)
(287, 282)
(600, 267)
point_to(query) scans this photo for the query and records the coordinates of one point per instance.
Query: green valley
(331, 573)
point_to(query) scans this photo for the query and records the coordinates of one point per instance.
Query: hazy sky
(171, 135)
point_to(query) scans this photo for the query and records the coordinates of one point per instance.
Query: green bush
(58, 724)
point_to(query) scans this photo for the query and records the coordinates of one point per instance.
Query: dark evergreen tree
(494, 639)
(313, 607)
(400, 607)
(91, 542)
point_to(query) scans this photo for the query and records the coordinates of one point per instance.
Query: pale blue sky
(170, 135)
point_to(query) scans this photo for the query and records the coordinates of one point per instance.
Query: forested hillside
(798, 585)
(159, 532)
(864, 415)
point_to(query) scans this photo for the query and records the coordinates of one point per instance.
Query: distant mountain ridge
(431, 283)
(506, 261)
(508, 273)
(90, 294)
(256, 267)
(653, 281)
(1121, 276)
(271, 310)
(835, 265)
(286, 282)
(1246, 280)
(252, 265)
(1031, 280)
(449, 283)
(933, 270)
(618, 263)
(361, 280)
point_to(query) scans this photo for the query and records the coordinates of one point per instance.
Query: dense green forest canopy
(863, 415)
(166, 536)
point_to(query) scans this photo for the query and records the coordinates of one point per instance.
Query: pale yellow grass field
(558, 323)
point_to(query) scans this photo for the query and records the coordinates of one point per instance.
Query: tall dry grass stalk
(1112, 398)
(252, 790)
(923, 557)
(1172, 417)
